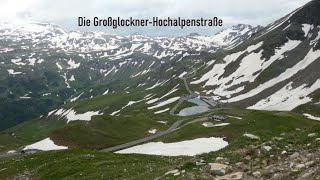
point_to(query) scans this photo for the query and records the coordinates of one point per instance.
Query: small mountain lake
(200, 108)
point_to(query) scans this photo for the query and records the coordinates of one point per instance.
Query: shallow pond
(200, 108)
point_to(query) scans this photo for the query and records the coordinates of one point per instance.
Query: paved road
(210, 102)
(194, 121)
(181, 100)
(191, 93)
(133, 143)
(185, 80)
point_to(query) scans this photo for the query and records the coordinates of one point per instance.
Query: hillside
(241, 104)
(276, 69)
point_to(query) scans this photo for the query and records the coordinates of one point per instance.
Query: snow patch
(72, 115)
(59, 66)
(153, 131)
(73, 64)
(76, 98)
(306, 28)
(45, 145)
(218, 69)
(106, 92)
(163, 103)
(309, 58)
(287, 98)
(115, 112)
(167, 94)
(154, 86)
(182, 74)
(250, 136)
(183, 148)
(72, 78)
(208, 124)
(309, 116)
(235, 117)
(221, 124)
(162, 122)
(162, 111)
(11, 71)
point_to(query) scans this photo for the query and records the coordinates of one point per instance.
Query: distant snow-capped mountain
(232, 37)
(44, 35)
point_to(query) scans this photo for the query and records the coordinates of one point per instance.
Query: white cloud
(67, 11)
(12, 8)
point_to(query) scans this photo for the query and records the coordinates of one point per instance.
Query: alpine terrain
(241, 104)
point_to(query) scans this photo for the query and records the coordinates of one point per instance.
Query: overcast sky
(66, 12)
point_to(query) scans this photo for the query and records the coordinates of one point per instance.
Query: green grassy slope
(107, 131)
(74, 164)
(8, 142)
(311, 107)
(261, 123)
(103, 131)
(79, 164)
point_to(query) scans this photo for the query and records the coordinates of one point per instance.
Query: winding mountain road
(137, 142)
(173, 127)
(191, 93)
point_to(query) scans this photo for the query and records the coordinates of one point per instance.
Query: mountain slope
(273, 70)
(43, 66)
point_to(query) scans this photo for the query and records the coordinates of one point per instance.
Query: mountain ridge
(285, 48)
(66, 62)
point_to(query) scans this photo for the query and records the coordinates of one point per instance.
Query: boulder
(218, 169)
(172, 172)
(294, 155)
(251, 136)
(310, 163)
(266, 148)
(256, 174)
(300, 166)
(284, 152)
(312, 135)
(277, 138)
